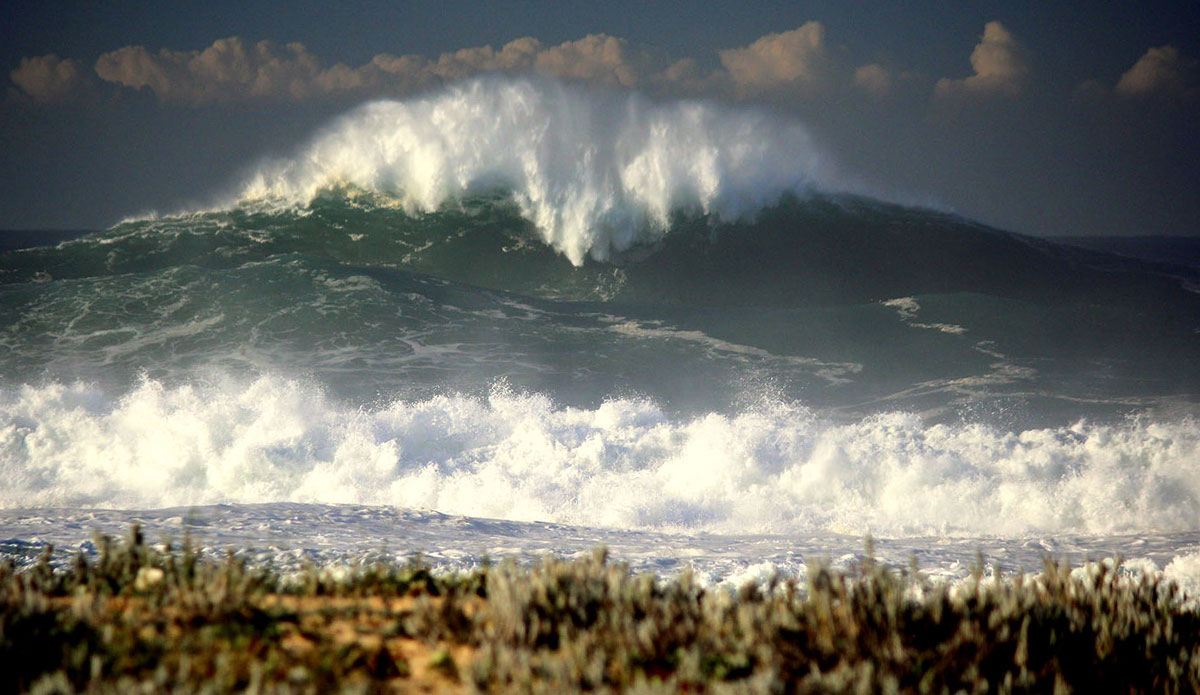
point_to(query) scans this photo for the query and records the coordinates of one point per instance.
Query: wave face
(771, 468)
(594, 171)
(525, 300)
(844, 302)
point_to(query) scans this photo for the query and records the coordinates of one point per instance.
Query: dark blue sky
(1058, 144)
(1082, 38)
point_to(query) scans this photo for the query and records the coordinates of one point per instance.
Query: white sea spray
(595, 170)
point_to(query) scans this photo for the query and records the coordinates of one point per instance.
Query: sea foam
(594, 170)
(772, 468)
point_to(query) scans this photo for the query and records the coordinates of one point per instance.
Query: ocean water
(520, 316)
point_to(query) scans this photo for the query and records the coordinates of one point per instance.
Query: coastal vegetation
(136, 618)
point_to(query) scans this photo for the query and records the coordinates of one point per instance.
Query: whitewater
(518, 316)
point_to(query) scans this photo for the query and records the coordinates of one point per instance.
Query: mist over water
(531, 301)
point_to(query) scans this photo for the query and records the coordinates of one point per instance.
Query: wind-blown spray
(595, 171)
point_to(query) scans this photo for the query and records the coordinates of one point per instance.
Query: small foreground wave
(772, 468)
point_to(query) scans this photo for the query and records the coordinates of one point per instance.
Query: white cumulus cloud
(1160, 71)
(874, 79)
(1000, 63)
(797, 58)
(47, 78)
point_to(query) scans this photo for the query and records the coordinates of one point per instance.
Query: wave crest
(596, 171)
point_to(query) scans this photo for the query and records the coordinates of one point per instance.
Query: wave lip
(596, 171)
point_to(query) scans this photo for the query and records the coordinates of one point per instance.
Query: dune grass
(136, 619)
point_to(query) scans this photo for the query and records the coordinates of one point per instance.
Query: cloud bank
(795, 65)
(233, 70)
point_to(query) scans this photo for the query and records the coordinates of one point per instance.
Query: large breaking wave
(595, 171)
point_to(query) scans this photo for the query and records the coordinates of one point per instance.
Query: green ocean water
(372, 300)
(526, 301)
